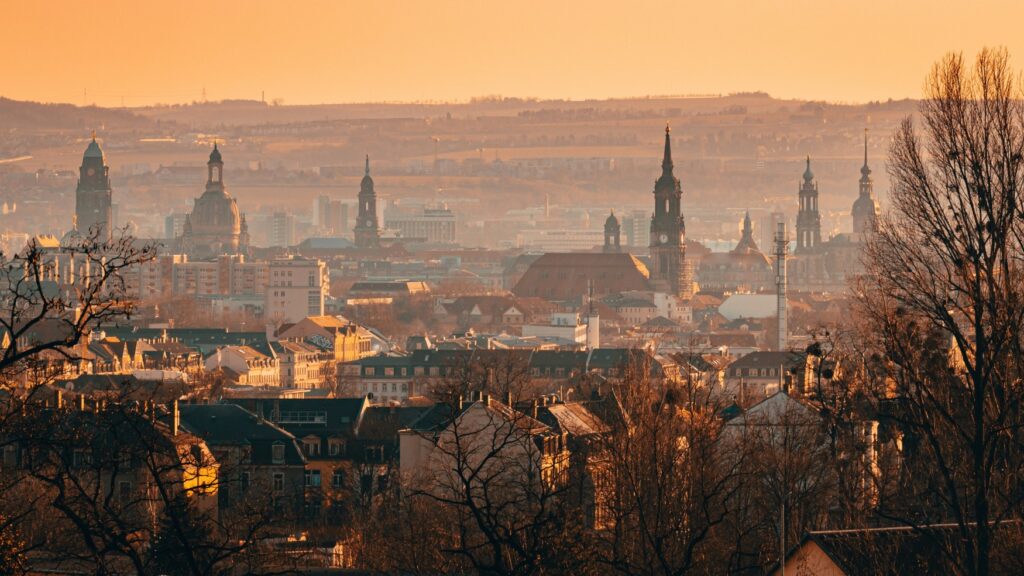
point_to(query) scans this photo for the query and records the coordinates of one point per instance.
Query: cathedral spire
(367, 165)
(865, 172)
(666, 161)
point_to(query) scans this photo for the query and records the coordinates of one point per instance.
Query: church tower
(746, 245)
(367, 234)
(865, 209)
(668, 232)
(612, 235)
(808, 220)
(93, 194)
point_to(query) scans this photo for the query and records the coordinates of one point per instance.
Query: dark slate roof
(304, 416)
(763, 359)
(124, 386)
(232, 425)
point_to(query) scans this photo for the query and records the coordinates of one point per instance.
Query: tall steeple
(367, 232)
(669, 273)
(865, 209)
(808, 219)
(666, 159)
(93, 195)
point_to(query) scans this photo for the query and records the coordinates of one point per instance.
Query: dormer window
(277, 453)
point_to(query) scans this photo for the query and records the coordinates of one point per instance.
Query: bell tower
(612, 235)
(668, 231)
(367, 233)
(808, 219)
(93, 193)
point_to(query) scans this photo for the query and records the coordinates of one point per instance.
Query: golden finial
(93, 135)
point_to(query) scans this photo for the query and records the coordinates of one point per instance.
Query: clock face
(90, 171)
(663, 238)
(369, 223)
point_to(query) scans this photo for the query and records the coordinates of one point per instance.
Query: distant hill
(21, 115)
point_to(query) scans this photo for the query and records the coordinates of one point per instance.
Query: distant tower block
(781, 247)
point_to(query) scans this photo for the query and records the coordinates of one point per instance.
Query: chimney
(175, 418)
(781, 247)
(508, 398)
(460, 402)
(533, 406)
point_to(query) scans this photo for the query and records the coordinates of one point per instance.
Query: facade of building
(246, 366)
(296, 288)
(431, 225)
(93, 193)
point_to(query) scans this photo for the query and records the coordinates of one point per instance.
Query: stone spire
(666, 160)
(746, 245)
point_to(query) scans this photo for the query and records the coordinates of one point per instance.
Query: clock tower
(367, 234)
(668, 232)
(93, 194)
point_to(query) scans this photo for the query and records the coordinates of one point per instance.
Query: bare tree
(670, 481)
(944, 303)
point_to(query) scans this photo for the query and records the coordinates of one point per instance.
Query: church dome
(94, 150)
(215, 155)
(215, 213)
(808, 175)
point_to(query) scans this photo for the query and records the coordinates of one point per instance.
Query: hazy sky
(386, 50)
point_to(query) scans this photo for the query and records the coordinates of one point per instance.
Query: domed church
(214, 226)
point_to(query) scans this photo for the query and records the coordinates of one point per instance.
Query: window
(243, 481)
(311, 446)
(313, 478)
(277, 453)
(389, 371)
(10, 456)
(338, 479)
(374, 453)
(337, 446)
(278, 481)
(124, 491)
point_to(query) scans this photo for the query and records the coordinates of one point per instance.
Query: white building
(246, 365)
(296, 288)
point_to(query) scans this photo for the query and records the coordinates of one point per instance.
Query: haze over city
(511, 289)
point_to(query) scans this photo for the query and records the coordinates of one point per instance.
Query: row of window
(755, 372)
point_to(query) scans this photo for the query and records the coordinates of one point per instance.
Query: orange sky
(306, 51)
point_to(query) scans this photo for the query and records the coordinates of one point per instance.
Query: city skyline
(445, 51)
